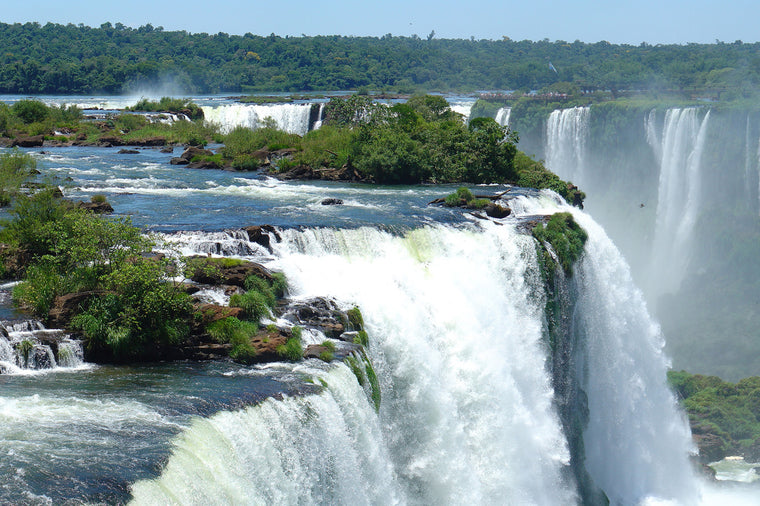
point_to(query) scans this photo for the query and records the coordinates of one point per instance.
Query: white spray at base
(455, 319)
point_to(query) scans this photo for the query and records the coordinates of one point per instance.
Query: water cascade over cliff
(458, 340)
(567, 132)
(293, 118)
(680, 150)
(27, 346)
(502, 116)
(678, 191)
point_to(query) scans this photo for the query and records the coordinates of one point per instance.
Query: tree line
(114, 58)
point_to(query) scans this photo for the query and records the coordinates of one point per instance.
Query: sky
(616, 21)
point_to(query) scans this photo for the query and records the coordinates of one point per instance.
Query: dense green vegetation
(15, 168)
(114, 59)
(133, 309)
(170, 105)
(725, 417)
(566, 238)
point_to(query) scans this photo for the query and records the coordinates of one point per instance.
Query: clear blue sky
(617, 21)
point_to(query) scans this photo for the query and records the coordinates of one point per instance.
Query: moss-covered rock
(566, 238)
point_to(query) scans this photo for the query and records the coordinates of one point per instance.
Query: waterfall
(567, 132)
(293, 118)
(27, 346)
(316, 449)
(463, 107)
(634, 423)
(320, 116)
(456, 321)
(679, 194)
(502, 116)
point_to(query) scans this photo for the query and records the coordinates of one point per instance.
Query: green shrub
(15, 169)
(374, 383)
(231, 329)
(327, 146)
(329, 345)
(243, 141)
(326, 356)
(255, 305)
(30, 111)
(98, 199)
(170, 105)
(291, 350)
(296, 332)
(239, 334)
(279, 284)
(130, 122)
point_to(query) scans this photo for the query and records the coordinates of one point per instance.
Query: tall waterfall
(456, 325)
(293, 118)
(679, 194)
(502, 116)
(567, 132)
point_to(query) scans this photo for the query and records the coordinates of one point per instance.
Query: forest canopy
(114, 58)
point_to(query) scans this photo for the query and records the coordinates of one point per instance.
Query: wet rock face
(318, 313)
(34, 141)
(262, 234)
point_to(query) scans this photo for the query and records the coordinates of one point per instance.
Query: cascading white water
(679, 194)
(293, 118)
(318, 123)
(455, 318)
(567, 132)
(316, 449)
(502, 116)
(462, 107)
(27, 346)
(637, 441)
(456, 337)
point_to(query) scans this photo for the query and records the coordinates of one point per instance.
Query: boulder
(204, 164)
(167, 149)
(192, 151)
(315, 351)
(266, 343)
(219, 274)
(260, 235)
(96, 207)
(35, 141)
(317, 313)
(332, 202)
(108, 141)
(149, 142)
(128, 152)
(497, 210)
